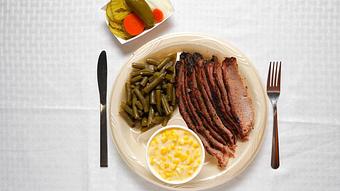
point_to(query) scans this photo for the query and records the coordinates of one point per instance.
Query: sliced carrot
(133, 25)
(158, 15)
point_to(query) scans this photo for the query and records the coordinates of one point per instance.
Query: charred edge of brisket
(199, 71)
(197, 56)
(208, 69)
(218, 74)
(183, 55)
(230, 60)
(187, 118)
(190, 64)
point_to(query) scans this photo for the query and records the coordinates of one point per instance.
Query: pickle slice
(118, 30)
(117, 10)
(117, 26)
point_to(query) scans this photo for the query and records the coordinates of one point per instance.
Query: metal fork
(273, 92)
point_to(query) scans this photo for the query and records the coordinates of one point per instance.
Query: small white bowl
(202, 155)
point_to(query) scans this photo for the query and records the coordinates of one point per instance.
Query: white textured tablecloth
(49, 113)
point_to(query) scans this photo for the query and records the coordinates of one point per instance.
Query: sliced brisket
(240, 102)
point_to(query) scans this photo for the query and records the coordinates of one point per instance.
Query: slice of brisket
(240, 102)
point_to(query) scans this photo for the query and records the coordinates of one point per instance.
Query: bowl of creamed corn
(175, 154)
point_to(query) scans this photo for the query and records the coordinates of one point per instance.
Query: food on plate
(158, 15)
(150, 93)
(133, 25)
(143, 11)
(175, 154)
(239, 99)
(214, 103)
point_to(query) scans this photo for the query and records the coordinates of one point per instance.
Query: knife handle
(103, 137)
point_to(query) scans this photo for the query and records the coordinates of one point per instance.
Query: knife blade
(102, 86)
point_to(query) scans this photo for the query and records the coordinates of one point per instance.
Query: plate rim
(198, 35)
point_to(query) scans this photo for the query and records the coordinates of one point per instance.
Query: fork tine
(268, 78)
(275, 79)
(273, 74)
(279, 77)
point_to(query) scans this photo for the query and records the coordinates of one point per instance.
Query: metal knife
(102, 83)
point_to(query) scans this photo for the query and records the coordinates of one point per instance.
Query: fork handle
(275, 162)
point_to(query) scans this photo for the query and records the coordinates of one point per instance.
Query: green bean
(139, 95)
(168, 77)
(165, 105)
(173, 101)
(135, 70)
(128, 93)
(140, 112)
(144, 72)
(171, 69)
(166, 66)
(165, 121)
(144, 122)
(136, 79)
(154, 83)
(127, 118)
(144, 81)
(159, 87)
(152, 67)
(134, 108)
(152, 97)
(163, 63)
(139, 105)
(147, 103)
(169, 92)
(156, 74)
(164, 86)
(152, 61)
(150, 116)
(158, 101)
(126, 108)
(137, 85)
(141, 98)
(138, 65)
(157, 120)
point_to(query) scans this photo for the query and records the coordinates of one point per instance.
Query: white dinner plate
(131, 144)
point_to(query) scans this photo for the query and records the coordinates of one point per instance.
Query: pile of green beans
(150, 94)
